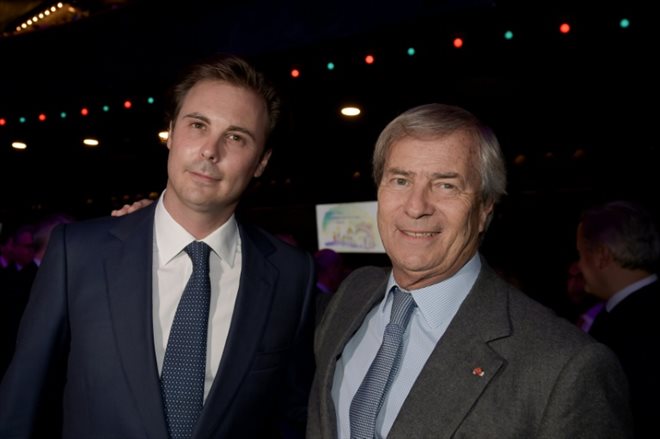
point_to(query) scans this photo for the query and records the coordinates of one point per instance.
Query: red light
(564, 28)
(369, 59)
(295, 73)
(84, 111)
(42, 117)
(458, 43)
(127, 104)
(3, 122)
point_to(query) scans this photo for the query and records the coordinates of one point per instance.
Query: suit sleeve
(301, 370)
(31, 389)
(589, 399)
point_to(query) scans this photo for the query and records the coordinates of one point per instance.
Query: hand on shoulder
(130, 208)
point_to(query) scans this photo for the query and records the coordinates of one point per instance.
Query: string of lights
(35, 117)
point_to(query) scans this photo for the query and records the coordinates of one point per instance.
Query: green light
(508, 35)
(624, 23)
(106, 108)
(331, 66)
(21, 119)
(150, 100)
(411, 51)
(63, 115)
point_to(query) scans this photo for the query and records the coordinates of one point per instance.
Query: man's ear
(485, 215)
(604, 256)
(261, 167)
(169, 136)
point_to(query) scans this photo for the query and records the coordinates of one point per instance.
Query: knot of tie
(402, 307)
(199, 253)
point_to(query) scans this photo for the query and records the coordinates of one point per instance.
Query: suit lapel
(461, 365)
(129, 278)
(356, 310)
(359, 296)
(255, 293)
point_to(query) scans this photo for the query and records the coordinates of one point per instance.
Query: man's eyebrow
(242, 130)
(435, 175)
(199, 116)
(195, 115)
(395, 170)
(445, 175)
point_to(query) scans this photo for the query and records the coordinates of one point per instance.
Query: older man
(439, 345)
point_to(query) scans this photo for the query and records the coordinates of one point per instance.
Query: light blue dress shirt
(436, 306)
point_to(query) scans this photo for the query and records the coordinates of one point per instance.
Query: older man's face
(430, 213)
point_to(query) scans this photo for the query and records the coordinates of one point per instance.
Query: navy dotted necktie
(184, 366)
(369, 398)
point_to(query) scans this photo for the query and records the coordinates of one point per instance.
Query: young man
(468, 356)
(107, 295)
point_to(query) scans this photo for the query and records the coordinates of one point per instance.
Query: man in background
(330, 272)
(619, 251)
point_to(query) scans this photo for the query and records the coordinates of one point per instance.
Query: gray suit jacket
(91, 307)
(542, 377)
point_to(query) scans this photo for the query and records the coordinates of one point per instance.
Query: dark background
(576, 114)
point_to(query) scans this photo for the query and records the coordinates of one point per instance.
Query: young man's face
(216, 147)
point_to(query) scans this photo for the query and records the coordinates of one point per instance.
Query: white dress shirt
(171, 269)
(436, 306)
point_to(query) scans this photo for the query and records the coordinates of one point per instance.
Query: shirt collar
(439, 302)
(172, 238)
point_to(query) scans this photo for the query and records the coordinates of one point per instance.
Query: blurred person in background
(330, 272)
(619, 249)
(16, 280)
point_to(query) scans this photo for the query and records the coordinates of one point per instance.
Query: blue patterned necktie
(184, 366)
(369, 398)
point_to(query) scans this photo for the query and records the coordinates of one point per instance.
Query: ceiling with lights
(23, 16)
(565, 106)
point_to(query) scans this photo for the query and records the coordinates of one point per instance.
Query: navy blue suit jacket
(91, 307)
(631, 330)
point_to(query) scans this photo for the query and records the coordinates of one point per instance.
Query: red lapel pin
(477, 371)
